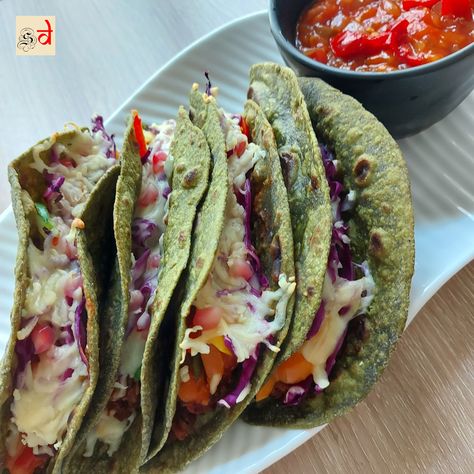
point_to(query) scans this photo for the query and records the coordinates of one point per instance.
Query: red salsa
(384, 35)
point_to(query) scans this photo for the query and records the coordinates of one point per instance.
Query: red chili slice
(408, 4)
(244, 127)
(349, 44)
(457, 8)
(139, 136)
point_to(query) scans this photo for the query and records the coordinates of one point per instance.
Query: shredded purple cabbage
(263, 280)
(317, 321)
(255, 292)
(248, 368)
(145, 157)
(24, 351)
(208, 83)
(67, 374)
(53, 186)
(245, 200)
(80, 330)
(297, 392)
(147, 290)
(229, 344)
(332, 358)
(139, 269)
(142, 231)
(340, 257)
(226, 292)
(146, 287)
(166, 192)
(98, 126)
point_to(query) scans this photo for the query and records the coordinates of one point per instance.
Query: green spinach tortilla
(381, 232)
(27, 188)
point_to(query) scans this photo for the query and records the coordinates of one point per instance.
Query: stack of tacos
(223, 264)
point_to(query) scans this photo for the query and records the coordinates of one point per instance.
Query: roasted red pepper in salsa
(384, 35)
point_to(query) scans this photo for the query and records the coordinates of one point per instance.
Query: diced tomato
(241, 269)
(55, 241)
(294, 370)
(319, 54)
(207, 318)
(148, 196)
(25, 462)
(240, 148)
(159, 159)
(266, 389)
(194, 390)
(154, 261)
(42, 337)
(67, 162)
(143, 323)
(213, 365)
(219, 343)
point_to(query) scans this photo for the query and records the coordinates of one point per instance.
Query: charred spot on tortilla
(191, 178)
(377, 245)
(385, 206)
(289, 167)
(363, 169)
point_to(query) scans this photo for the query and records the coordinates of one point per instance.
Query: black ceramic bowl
(405, 101)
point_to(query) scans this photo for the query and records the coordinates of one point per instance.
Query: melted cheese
(42, 407)
(340, 294)
(110, 431)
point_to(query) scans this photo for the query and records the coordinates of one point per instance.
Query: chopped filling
(234, 315)
(51, 348)
(148, 227)
(347, 293)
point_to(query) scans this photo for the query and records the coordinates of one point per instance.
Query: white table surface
(420, 417)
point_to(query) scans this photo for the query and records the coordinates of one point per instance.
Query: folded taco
(62, 194)
(365, 296)
(163, 177)
(238, 291)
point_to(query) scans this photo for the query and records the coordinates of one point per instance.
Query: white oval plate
(442, 173)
